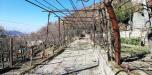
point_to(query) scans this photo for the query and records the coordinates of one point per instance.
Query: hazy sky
(22, 16)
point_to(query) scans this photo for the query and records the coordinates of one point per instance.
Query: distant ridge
(14, 33)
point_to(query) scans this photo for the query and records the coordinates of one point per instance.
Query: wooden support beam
(31, 59)
(11, 53)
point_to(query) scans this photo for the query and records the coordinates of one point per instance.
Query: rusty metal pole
(116, 31)
(47, 33)
(47, 30)
(63, 33)
(59, 30)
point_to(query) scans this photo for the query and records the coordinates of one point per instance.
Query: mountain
(14, 33)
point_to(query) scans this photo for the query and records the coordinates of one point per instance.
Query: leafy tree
(123, 15)
(124, 10)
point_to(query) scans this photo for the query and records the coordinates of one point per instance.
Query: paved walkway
(79, 58)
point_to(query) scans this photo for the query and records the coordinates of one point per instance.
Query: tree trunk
(115, 27)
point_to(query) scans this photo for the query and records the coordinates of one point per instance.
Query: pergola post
(11, 52)
(59, 29)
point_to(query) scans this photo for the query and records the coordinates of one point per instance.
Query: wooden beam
(11, 52)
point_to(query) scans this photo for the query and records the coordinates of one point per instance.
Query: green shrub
(132, 41)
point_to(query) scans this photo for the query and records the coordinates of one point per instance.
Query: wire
(43, 7)
(74, 7)
(84, 8)
(48, 20)
(63, 6)
(37, 5)
(50, 10)
(53, 6)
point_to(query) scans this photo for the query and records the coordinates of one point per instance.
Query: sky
(24, 17)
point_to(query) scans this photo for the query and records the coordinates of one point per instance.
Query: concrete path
(79, 58)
